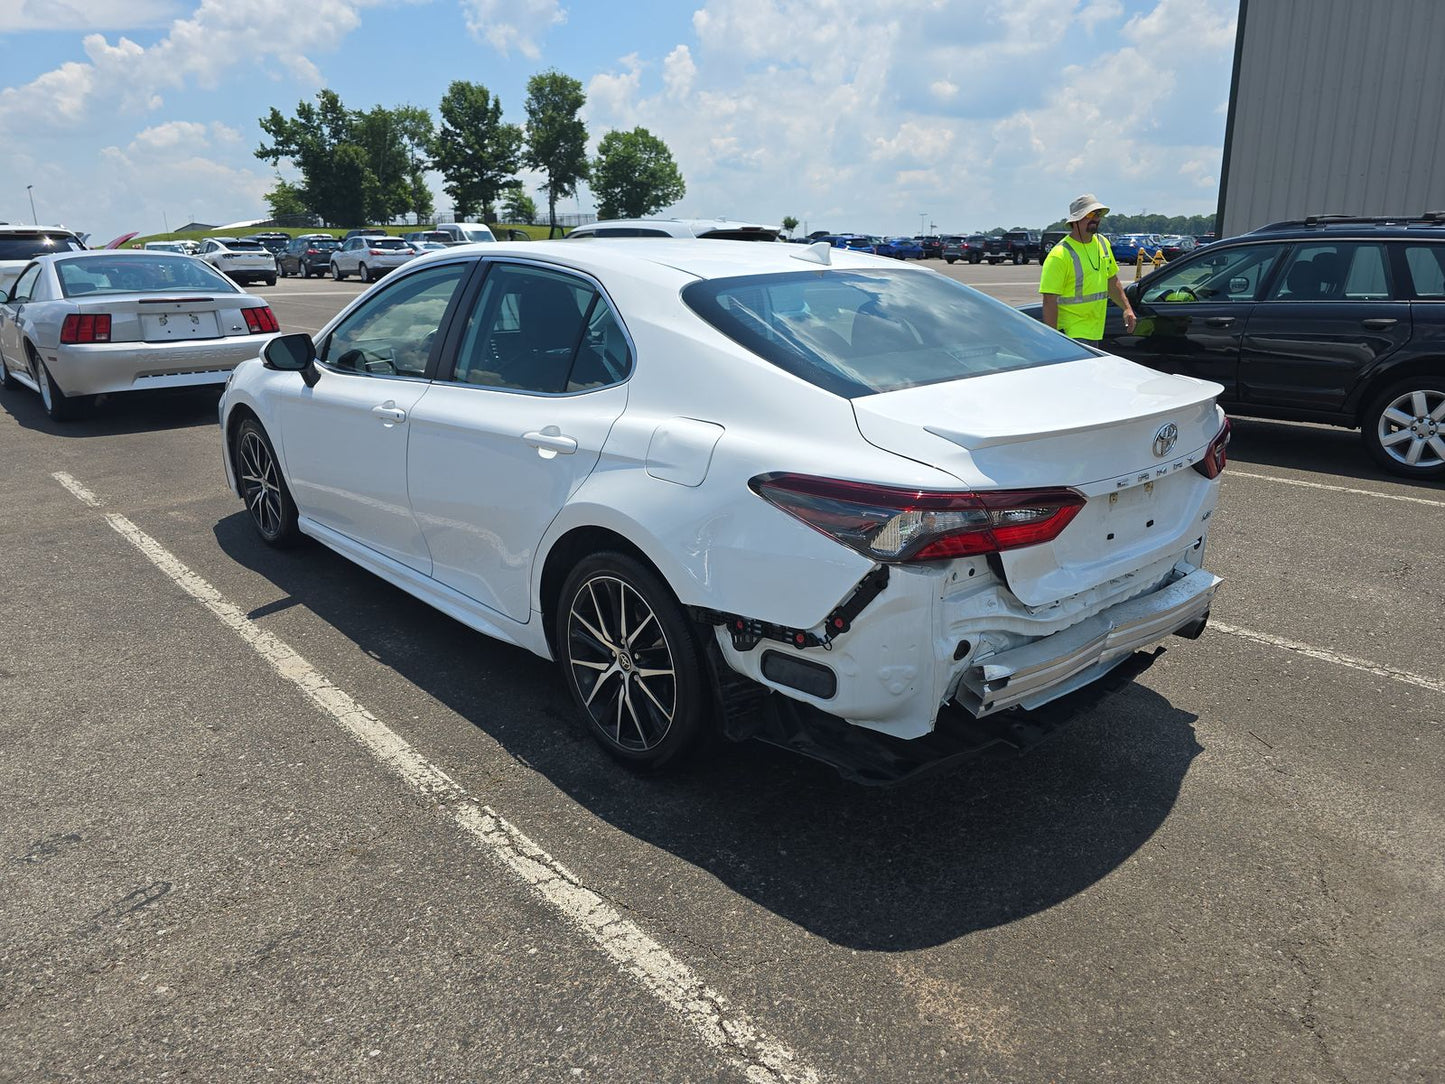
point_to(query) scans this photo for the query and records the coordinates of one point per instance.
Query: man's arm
(1051, 310)
(1116, 293)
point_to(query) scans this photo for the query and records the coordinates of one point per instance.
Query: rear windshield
(858, 333)
(389, 242)
(140, 273)
(26, 246)
(244, 246)
(325, 244)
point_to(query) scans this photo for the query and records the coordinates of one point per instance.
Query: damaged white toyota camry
(794, 492)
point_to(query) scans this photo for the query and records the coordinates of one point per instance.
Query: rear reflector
(85, 328)
(894, 525)
(260, 321)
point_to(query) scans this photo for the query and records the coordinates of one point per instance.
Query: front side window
(392, 332)
(533, 329)
(855, 333)
(24, 287)
(1334, 271)
(1235, 274)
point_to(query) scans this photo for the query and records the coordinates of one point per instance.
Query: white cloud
(678, 72)
(83, 15)
(513, 24)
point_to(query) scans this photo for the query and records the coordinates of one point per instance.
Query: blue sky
(871, 116)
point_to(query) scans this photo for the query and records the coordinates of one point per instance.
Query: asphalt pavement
(269, 817)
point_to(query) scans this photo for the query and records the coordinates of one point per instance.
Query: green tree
(378, 133)
(310, 140)
(476, 153)
(417, 133)
(789, 224)
(556, 138)
(519, 207)
(285, 199)
(634, 175)
(421, 198)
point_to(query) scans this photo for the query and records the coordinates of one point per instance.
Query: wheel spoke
(1412, 457)
(1438, 414)
(1437, 445)
(1399, 436)
(1398, 416)
(1418, 405)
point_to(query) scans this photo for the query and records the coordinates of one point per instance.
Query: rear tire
(632, 662)
(336, 272)
(270, 280)
(263, 489)
(1405, 421)
(60, 407)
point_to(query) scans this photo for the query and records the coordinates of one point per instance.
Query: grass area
(536, 233)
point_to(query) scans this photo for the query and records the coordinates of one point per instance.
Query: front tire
(1404, 427)
(263, 489)
(632, 662)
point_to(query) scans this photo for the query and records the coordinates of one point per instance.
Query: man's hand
(1129, 320)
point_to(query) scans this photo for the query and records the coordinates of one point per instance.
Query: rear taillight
(895, 525)
(85, 328)
(1216, 454)
(260, 321)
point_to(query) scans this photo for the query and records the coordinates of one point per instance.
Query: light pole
(922, 218)
(28, 192)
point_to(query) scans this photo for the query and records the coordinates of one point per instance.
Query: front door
(346, 438)
(1192, 315)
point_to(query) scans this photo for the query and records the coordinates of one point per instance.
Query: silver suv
(21, 244)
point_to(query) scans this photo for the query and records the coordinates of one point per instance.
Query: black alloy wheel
(631, 661)
(263, 489)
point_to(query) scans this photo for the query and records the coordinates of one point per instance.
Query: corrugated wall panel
(1338, 107)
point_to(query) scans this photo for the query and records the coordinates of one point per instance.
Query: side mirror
(294, 353)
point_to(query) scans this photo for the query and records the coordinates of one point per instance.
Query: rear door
(1192, 315)
(1330, 317)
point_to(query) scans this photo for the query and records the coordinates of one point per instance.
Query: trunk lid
(170, 318)
(1090, 425)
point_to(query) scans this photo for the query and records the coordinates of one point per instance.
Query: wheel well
(1417, 367)
(239, 413)
(563, 557)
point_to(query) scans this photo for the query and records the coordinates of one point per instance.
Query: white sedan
(81, 324)
(848, 506)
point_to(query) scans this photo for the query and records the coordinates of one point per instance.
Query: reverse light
(90, 327)
(1216, 454)
(894, 525)
(260, 321)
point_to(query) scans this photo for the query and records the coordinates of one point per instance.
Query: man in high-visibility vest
(1080, 276)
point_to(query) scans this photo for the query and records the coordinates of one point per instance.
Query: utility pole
(922, 218)
(31, 194)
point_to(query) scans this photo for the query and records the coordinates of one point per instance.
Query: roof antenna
(819, 252)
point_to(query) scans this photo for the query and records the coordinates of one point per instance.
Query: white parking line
(1325, 655)
(1231, 473)
(728, 1031)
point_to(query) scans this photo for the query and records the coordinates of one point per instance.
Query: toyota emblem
(1165, 438)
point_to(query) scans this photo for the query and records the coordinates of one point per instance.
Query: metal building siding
(1338, 107)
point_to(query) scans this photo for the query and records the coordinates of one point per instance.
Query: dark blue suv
(1328, 319)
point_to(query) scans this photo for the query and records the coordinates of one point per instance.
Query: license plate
(166, 326)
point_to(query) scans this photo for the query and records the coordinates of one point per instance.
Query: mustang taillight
(89, 327)
(1216, 454)
(896, 525)
(260, 321)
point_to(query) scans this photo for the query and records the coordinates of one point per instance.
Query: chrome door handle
(1378, 323)
(550, 439)
(389, 415)
(1218, 321)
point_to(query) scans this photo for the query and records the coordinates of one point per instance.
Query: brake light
(85, 328)
(1216, 454)
(260, 321)
(896, 525)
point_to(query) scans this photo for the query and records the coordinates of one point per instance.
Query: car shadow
(1318, 449)
(976, 846)
(116, 415)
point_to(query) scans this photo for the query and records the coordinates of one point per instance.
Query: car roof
(655, 256)
(1431, 223)
(679, 227)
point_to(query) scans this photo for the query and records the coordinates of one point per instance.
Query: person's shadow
(979, 845)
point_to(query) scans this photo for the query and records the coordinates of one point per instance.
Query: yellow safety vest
(1083, 308)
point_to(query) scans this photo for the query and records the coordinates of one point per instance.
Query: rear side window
(1334, 271)
(1427, 270)
(857, 333)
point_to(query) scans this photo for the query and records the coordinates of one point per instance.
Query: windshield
(25, 246)
(142, 273)
(861, 332)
